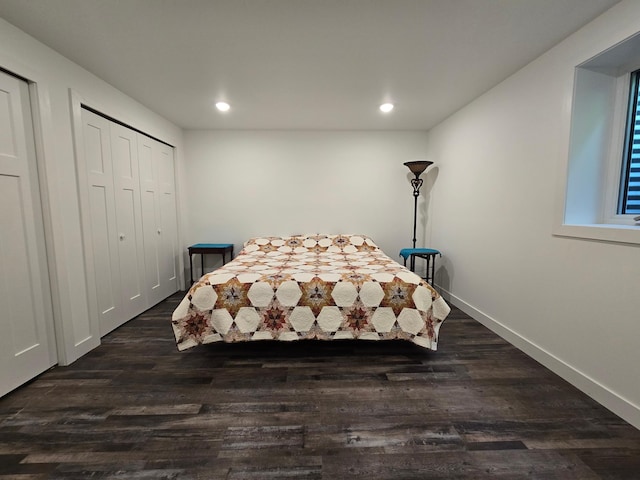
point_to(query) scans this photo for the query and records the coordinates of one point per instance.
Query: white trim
(586, 207)
(613, 181)
(54, 335)
(603, 395)
(602, 232)
(180, 220)
(75, 102)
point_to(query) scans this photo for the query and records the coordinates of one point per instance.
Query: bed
(324, 287)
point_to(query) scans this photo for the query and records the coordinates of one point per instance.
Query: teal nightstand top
(406, 252)
(212, 245)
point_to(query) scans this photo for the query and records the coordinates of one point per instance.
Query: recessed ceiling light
(223, 106)
(386, 107)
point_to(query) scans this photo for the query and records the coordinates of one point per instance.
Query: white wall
(572, 304)
(55, 77)
(252, 183)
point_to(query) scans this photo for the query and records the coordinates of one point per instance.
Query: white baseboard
(601, 394)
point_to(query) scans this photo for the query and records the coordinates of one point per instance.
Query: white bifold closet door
(133, 233)
(27, 343)
(103, 230)
(158, 217)
(168, 220)
(126, 179)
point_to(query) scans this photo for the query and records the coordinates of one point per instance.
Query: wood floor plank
(478, 408)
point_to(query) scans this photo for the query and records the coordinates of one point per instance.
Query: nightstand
(429, 254)
(203, 249)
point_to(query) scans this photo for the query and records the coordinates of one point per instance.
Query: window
(600, 195)
(629, 199)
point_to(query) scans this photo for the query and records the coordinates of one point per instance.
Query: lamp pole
(416, 167)
(416, 183)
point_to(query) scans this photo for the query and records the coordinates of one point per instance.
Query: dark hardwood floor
(136, 408)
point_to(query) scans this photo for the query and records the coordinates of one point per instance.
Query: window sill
(602, 232)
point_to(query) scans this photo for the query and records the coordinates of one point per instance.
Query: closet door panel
(129, 220)
(106, 260)
(20, 309)
(150, 217)
(106, 263)
(168, 220)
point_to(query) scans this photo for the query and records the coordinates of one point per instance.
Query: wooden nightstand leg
(433, 269)
(191, 266)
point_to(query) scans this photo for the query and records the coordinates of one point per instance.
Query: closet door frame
(78, 102)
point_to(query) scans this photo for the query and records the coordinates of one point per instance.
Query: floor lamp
(416, 167)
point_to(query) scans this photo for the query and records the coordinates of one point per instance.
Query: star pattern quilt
(310, 287)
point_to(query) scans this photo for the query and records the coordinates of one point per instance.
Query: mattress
(323, 287)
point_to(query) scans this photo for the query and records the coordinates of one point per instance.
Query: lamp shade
(418, 166)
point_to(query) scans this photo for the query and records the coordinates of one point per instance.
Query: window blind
(630, 191)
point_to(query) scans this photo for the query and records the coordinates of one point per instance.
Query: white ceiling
(302, 64)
